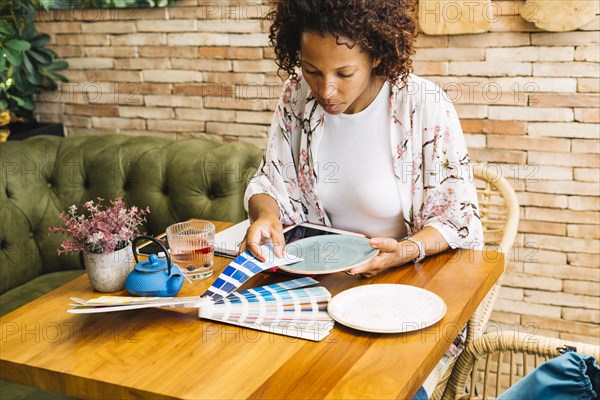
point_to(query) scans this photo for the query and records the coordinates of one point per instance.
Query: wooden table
(160, 353)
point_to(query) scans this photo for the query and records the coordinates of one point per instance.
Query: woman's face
(340, 77)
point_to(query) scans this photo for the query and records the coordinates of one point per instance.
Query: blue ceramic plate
(329, 253)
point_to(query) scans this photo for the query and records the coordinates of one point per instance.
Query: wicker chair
(508, 357)
(499, 212)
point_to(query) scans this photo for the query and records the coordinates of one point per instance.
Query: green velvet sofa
(42, 176)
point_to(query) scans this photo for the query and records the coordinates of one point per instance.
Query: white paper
(122, 303)
(271, 258)
(228, 241)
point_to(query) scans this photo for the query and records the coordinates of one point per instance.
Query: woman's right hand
(265, 229)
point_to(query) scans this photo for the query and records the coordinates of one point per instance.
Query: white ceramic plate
(387, 308)
(329, 253)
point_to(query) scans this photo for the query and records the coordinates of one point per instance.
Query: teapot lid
(152, 264)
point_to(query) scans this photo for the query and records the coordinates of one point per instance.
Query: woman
(359, 143)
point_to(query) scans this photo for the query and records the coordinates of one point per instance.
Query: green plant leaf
(46, 4)
(58, 77)
(57, 66)
(29, 68)
(29, 32)
(32, 76)
(50, 84)
(40, 57)
(34, 79)
(20, 86)
(47, 52)
(20, 102)
(19, 45)
(3, 105)
(13, 57)
(40, 40)
(28, 104)
(7, 28)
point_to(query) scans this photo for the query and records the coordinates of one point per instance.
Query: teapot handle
(152, 239)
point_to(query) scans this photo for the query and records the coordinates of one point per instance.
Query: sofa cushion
(13, 391)
(178, 180)
(23, 294)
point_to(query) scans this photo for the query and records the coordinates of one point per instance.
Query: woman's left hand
(389, 256)
(393, 253)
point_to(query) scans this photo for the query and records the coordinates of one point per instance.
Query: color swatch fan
(241, 268)
(287, 308)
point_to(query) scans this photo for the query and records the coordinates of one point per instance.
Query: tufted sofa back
(178, 180)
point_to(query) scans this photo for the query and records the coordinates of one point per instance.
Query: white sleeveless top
(358, 195)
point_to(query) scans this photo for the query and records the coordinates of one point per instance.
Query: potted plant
(103, 235)
(26, 65)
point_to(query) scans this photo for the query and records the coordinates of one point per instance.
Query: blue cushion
(569, 376)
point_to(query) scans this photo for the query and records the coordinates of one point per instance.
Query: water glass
(192, 247)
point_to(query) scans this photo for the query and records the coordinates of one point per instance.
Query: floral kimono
(433, 175)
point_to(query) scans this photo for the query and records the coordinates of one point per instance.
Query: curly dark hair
(381, 28)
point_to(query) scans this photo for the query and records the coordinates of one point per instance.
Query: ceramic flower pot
(108, 272)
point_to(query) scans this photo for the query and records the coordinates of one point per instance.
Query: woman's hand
(263, 230)
(266, 226)
(391, 254)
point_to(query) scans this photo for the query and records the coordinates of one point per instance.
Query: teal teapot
(154, 276)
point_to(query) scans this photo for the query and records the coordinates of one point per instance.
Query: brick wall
(528, 100)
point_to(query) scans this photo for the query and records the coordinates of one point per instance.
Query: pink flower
(101, 229)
